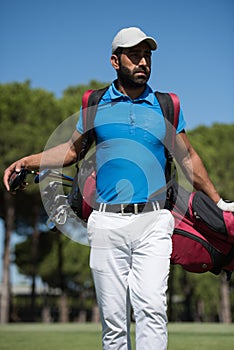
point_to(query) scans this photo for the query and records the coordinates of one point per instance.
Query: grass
(201, 336)
(182, 336)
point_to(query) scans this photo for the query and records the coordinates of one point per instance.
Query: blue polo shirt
(130, 157)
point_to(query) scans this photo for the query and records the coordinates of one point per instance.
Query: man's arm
(193, 167)
(59, 156)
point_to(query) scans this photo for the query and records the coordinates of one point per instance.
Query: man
(130, 235)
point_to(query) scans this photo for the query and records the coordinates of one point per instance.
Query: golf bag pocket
(197, 251)
(83, 194)
(206, 215)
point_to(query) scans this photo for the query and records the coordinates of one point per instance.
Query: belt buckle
(135, 211)
(122, 207)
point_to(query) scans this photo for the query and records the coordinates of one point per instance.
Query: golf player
(130, 235)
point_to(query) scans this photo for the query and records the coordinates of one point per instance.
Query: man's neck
(130, 91)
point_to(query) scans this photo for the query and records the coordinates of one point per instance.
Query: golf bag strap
(90, 100)
(176, 111)
(85, 101)
(170, 105)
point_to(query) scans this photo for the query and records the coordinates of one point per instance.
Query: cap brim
(150, 41)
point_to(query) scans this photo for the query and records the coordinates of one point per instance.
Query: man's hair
(118, 51)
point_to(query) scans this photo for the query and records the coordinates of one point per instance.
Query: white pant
(130, 261)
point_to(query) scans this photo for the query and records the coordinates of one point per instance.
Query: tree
(23, 112)
(28, 117)
(62, 264)
(71, 100)
(206, 297)
(215, 147)
(5, 297)
(225, 302)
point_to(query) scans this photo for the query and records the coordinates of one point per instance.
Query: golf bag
(203, 238)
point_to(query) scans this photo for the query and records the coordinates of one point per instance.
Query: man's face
(135, 65)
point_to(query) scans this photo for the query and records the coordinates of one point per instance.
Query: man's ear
(115, 62)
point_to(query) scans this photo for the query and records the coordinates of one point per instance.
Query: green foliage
(27, 118)
(195, 296)
(215, 147)
(70, 102)
(59, 260)
(74, 264)
(23, 256)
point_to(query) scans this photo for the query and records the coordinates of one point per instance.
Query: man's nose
(143, 61)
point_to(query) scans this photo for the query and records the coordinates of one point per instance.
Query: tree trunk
(171, 292)
(46, 311)
(188, 295)
(95, 314)
(34, 260)
(63, 308)
(225, 304)
(9, 224)
(63, 300)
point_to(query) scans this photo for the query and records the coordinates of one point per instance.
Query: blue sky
(60, 43)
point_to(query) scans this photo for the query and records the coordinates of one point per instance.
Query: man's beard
(129, 79)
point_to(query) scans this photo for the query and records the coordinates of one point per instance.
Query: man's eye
(135, 55)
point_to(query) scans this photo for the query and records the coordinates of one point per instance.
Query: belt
(135, 208)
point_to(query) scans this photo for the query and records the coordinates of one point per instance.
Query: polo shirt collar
(147, 95)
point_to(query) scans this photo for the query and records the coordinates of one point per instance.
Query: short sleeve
(79, 124)
(181, 122)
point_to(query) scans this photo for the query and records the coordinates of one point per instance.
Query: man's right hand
(14, 167)
(64, 154)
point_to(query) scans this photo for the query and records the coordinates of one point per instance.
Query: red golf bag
(203, 238)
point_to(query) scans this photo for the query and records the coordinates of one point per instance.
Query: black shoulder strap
(90, 100)
(170, 105)
(94, 97)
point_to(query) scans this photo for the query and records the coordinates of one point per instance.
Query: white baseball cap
(129, 37)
